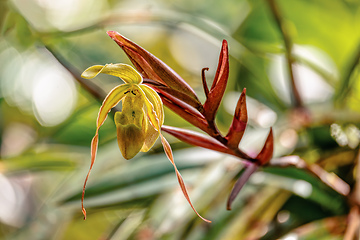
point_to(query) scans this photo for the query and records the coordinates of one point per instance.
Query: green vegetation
(297, 59)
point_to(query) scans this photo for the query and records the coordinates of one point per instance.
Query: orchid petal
(130, 138)
(170, 156)
(155, 99)
(127, 73)
(152, 133)
(131, 125)
(153, 113)
(112, 99)
(156, 122)
(151, 136)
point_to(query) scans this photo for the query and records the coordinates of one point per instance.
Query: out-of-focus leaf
(324, 18)
(258, 32)
(79, 128)
(24, 35)
(252, 74)
(135, 172)
(7, 21)
(256, 215)
(43, 161)
(315, 191)
(321, 137)
(331, 228)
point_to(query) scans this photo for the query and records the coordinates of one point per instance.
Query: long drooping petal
(169, 155)
(127, 73)
(112, 99)
(157, 124)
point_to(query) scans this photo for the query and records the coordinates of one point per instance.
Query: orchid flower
(139, 123)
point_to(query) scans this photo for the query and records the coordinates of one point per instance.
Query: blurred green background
(47, 119)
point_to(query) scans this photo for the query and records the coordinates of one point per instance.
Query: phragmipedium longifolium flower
(139, 123)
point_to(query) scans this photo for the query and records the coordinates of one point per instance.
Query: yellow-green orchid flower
(138, 124)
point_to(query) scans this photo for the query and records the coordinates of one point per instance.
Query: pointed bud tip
(270, 136)
(266, 153)
(112, 33)
(117, 37)
(225, 43)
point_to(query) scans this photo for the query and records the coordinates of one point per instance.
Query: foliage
(299, 63)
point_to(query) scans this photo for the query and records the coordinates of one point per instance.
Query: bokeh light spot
(54, 97)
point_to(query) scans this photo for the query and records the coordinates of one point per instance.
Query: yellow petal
(155, 113)
(127, 73)
(151, 136)
(113, 98)
(152, 110)
(130, 137)
(131, 124)
(155, 100)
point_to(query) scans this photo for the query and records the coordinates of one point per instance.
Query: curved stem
(288, 51)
